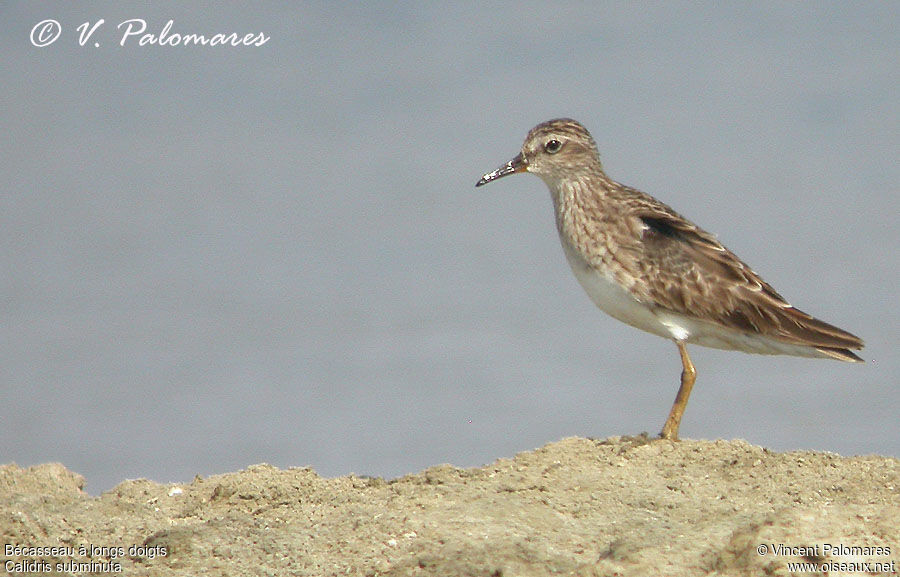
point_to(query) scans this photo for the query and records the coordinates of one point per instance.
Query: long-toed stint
(646, 265)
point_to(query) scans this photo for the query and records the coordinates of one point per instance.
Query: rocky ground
(620, 506)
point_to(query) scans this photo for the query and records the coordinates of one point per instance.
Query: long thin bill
(517, 164)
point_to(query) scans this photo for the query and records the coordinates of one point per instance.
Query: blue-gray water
(219, 256)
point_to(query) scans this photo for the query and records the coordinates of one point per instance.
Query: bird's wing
(690, 272)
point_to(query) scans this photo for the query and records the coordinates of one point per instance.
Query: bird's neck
(588, 190)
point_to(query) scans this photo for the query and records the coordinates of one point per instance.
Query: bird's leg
(688, 376)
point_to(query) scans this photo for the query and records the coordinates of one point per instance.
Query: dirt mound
(620, 506)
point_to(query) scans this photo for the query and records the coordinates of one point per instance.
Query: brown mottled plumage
(646, 265)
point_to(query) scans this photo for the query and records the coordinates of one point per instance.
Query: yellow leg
(688, 376)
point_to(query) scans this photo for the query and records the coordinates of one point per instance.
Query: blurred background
(212, 257)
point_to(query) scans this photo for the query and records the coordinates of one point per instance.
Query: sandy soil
(620, 506)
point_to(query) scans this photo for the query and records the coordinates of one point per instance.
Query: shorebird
(646, 265)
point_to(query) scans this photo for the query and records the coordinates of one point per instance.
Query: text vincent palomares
(134, 30)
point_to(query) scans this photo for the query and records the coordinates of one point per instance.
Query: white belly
(613, 299)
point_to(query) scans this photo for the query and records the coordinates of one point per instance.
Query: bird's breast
(611, 295)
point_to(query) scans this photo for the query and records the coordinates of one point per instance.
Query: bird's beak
(517, 164)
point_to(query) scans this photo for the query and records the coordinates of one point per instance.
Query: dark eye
(552, 146)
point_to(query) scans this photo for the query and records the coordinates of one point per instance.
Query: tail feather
(824, 337)
(841, 354)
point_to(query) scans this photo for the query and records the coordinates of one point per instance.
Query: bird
(647, 266)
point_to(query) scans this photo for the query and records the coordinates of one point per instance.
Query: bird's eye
(552, 146)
